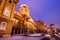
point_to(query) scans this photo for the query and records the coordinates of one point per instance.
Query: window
(10, 1)
(3, 25)
(0, 1)
(7, 11)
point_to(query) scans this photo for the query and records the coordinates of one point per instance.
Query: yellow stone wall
(2, 5)
(3, 17)
(8, 26)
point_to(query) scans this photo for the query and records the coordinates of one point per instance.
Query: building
(9, 17)
(28, 22)
(18, 21)
(52, 28)
(41, 26)
(7, 8)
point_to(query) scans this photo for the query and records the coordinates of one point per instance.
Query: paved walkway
(19, 37)
(38, 34)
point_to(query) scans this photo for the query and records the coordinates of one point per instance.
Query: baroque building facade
(7, 8)
(9, 17)
(28, 22)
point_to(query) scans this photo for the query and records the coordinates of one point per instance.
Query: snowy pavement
(20, 37)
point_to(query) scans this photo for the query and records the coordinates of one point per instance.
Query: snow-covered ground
(29, 37)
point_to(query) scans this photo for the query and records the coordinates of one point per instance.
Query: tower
(28, 22)
(24, 9)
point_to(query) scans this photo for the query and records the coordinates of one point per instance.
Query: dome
(24, 5)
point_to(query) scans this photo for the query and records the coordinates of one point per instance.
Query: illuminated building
(52, 28)
(28, 21)
(7, 8)
(8, 17)
(41, 26)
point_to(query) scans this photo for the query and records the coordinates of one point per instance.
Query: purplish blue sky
(45, 10)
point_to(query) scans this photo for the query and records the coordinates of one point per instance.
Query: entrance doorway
(16, 27)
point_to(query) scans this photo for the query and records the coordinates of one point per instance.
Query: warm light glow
(16, 21)
(30, 25)
(24, 9)
(59, 33)
(48, 30)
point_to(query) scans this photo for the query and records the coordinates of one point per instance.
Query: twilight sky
(45, 10)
